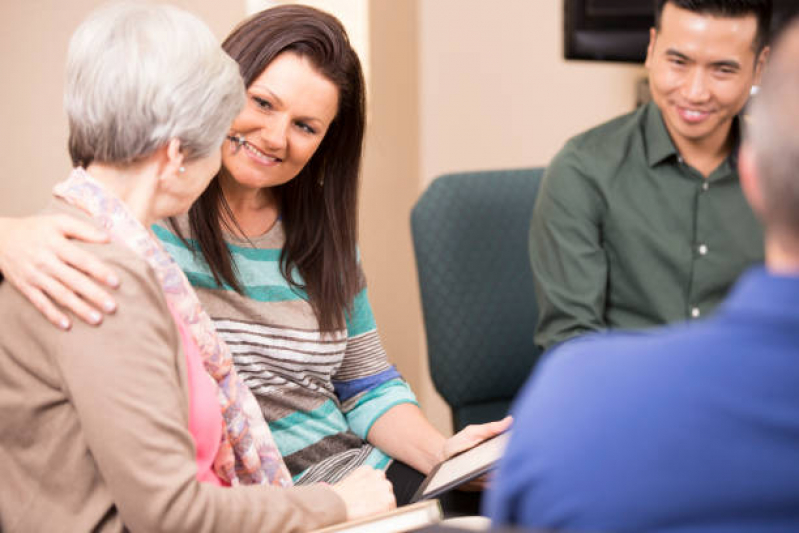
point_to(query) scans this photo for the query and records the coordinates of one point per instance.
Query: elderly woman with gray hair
(121, 427)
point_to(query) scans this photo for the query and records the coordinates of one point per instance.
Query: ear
(750, 179)
(760, 64)
(174, 158)
(650, 50)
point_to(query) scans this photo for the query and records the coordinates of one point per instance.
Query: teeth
(259, 153)
(693, 114)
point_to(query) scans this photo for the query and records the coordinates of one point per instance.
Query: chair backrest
(470, 236)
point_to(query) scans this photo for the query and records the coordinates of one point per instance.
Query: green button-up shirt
(626, 235)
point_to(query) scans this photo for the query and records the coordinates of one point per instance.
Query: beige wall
(454, 85)
(33, 45)
(496, 91)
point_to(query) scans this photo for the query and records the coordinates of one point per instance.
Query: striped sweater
(319, 393)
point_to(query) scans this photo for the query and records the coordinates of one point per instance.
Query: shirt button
(705, 186)
(702, 249)
(695, 312)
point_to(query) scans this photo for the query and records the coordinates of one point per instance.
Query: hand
(469, 437)
(37, 257)
(365, 492)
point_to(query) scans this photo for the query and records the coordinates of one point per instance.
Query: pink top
(205, 417)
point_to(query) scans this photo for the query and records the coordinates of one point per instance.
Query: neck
(782, 255)
(255, 209)
(134, 184)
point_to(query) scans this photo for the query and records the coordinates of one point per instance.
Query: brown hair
(319, 206)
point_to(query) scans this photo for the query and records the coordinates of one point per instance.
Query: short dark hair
(761, 9)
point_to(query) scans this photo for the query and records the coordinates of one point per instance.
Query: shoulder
(115, 254)
(603, 372)
(600, 147)
(139, 286)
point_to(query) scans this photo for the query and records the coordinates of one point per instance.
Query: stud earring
(182, 170)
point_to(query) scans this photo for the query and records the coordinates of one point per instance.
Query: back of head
(761, 9)
(774, 136)
(140, 74)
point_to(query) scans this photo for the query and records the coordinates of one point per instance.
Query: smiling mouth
(240, 142)
(692, 116)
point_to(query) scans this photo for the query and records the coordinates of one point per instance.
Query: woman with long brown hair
(271, 248)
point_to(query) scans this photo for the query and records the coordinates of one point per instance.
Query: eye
(726, 70)
(305, 127)
(677, 61)
(261, 102)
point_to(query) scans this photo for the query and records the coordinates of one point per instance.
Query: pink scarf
(247, 453)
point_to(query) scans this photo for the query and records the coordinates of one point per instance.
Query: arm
(380, 407)
(404, 433)
(37, 257)
(126, 390)
(566, 252)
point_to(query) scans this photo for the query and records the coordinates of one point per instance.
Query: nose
(695, 88)
(274, 132)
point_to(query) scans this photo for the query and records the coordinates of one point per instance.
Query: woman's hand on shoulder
(365, 492)
(37, 257)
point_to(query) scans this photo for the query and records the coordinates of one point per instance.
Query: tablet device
(462, 467)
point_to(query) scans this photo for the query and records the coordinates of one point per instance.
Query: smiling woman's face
(290, 107)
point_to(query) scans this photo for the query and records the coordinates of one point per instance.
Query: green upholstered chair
(470, 240)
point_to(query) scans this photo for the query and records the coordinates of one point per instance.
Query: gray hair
(774, 136)
(141, 74)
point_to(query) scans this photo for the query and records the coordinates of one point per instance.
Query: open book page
(405, 518)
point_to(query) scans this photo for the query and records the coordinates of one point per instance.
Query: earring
(182, 170)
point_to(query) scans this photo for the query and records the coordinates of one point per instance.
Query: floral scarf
(247, 453)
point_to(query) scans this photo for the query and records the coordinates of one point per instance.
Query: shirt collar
(659, 145)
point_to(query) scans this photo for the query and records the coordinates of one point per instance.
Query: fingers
(83, 261)
(84, 290)
(366, 491)
(80, 230)
(45, 306)
(474, 434)
(63, 295)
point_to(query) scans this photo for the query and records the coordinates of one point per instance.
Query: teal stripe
(256, 254)
(257, 270)
(375, 403)
(378, 460)
(362, 319)
(260, 294)
(302, 429)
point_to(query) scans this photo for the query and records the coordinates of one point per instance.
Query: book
(405, 518)
(462, 467)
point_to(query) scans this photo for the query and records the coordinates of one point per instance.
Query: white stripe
(291, 344)
(267, 330)
(284, 356)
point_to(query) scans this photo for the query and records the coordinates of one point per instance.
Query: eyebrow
(279, 102)
(729, 63)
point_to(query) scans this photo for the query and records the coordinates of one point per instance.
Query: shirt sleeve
(125, 382)
(568, 260)
(366, 384)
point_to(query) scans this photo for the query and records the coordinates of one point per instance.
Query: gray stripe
(333, 469)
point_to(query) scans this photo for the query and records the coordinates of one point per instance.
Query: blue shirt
(690, 428)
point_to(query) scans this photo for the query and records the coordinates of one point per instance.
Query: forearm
(405, 434)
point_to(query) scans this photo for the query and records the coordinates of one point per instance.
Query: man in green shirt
(641, 221)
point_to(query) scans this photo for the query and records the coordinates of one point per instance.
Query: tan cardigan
(94, 425)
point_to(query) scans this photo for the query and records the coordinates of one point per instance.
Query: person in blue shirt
(694, 427)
